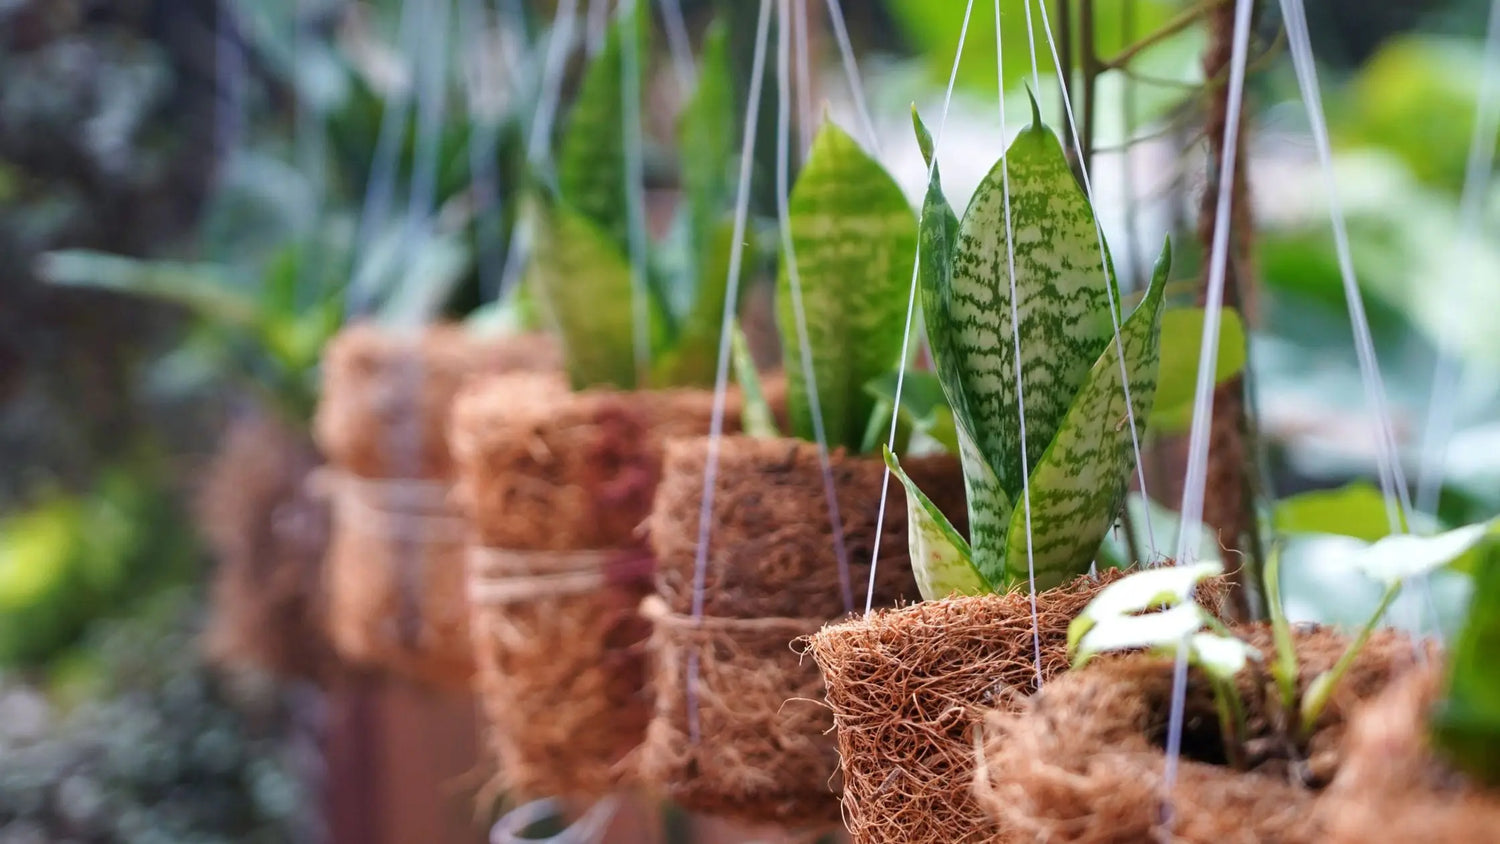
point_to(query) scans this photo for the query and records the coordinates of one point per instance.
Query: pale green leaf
(582, 285)
(756, 420)
(1397, 558)
(204, 289)
(940, 557)
(1166, 628)
(854, 237)
(1181, 342)
(692, 356)
(707, 149)
(1077, 486)
(923, 405)
(1142, 590)
(1061, 299)
(1220, 655)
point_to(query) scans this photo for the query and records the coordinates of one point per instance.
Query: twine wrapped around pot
(396, 583)
(1084, 759)
(555, 484)
(1393, 787)
(751, 739)
(908, 687)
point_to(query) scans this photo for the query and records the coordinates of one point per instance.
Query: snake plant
(581, 273)
(1078, 440)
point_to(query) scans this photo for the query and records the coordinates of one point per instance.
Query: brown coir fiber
(547, 477)
(771, 552)
(1392, 787)
(387, 393)
(558, 643)
(764, 751)
(396, 578)
(1083, 760)
(268, 533)
(907, 688)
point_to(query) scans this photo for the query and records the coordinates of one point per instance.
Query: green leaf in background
(855, 238)
(923, 406)
(1181, 341)
(1060, 297)
(1356, 510)
(591, 159)
(580, 280)
(693, 354)
(940, 556)
(707, 136)
(756, 420)
(1077, 486)
(205, 289)
(1466, 723)
(1396, 558)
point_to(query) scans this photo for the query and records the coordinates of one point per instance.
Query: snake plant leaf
(855, 237)
(591, 168)
(693, 353)
(756, 419)
(582, 285)
(1466, 723)
(924, 407)
(940, 557)
(1079, 482)
(208, 290)
(706, 132)
(1060, 298)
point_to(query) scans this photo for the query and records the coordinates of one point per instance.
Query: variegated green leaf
(940, 557)
(1079, 482)
(990, 509)
(1060, 298)
(854, 237)
(582, 286)
(591, 159)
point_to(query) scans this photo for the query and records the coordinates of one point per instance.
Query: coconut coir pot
(1084, 759)
(556, 485)
(1393, 787)
(269, 534)
(395, 569)
(908, 687)
(751, 739)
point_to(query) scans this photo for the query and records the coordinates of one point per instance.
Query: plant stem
(1064, 38)
(1186, 18)
(1089, 64)
(1284, 669)
(1322, 688)
(1127, 170)
(1231, 721)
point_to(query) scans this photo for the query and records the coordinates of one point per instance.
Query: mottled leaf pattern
(854, 236)
(1060, 296)
(1078, 484)
(580, 277)
(940, 557)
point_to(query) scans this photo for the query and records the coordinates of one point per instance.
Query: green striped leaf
(1060, 297)
(706, 132)
(1079, 482)
(854, 237)
(940, 557)
(582, 285)
(591, 158)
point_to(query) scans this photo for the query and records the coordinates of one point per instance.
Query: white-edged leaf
(940, 557)
(1168, 628)
(1221, 656)
(855, 236)
(1397, 558)
(1079, 482)
(1164, 586)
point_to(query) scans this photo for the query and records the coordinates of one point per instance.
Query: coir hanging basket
(395, 568)
(740, 729)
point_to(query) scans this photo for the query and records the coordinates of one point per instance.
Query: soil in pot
(395, 571)
(1393, 787)
(556, 484)
(1084, 759)
(908, 687)
(752, 740)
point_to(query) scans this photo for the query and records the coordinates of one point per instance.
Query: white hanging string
(539, 139)
(721, 371)
(679, 45)
(1392, 479)
(1203, 396)
(1036, 75)
(799, 312)
(805, 118)
(475, 19)
(1111, 286)
(635, 188)
(432, 65)
(911, 305)
(1015, 333)
(380, 186)
(598, 26)
(1478, 173)
(851, 70)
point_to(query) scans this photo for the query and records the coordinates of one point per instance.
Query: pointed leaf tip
(1036, 110)
(924, 137)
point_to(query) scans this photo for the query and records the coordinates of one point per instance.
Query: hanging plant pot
(269, 534)
(556, 484)
(1392, 786)
(740, 730)
(1084, 759)
(907, 687)
(395, 567)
